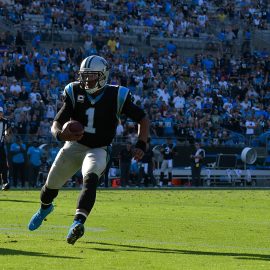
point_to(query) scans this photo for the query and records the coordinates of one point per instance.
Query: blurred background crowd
(200, 68)
(219, 94)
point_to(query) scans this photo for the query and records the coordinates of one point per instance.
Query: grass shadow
(132, 248)
(7, 251)
(16, 201)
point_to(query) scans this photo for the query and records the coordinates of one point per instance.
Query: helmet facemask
(92, 81)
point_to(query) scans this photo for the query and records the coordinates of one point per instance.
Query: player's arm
(139, 116)
(63, 116)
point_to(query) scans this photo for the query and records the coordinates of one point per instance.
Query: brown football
(74, 126)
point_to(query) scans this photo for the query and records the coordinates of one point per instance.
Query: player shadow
(7, 251)
(132, 248)
(16, 201)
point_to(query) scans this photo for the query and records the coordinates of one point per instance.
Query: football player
(97, 106)
(168, 152)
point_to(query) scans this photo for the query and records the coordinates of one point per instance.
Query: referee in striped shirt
(4, 133)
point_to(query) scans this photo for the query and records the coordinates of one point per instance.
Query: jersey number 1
(90, 123)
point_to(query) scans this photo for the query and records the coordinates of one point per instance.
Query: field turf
(140, 229)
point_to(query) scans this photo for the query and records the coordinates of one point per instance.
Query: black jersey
(100, 114)
(4, 126)
(168, 151)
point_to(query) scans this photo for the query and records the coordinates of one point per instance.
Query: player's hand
(67, 135)
(138, 154)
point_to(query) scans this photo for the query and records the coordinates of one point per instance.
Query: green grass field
(141, 229)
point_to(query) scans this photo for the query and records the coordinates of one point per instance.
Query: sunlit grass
(129, 229)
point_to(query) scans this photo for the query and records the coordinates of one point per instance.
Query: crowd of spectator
(199, 97)
(178, 18)
(215, 97)
(211, 97)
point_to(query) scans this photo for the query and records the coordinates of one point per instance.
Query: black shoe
(6, 186)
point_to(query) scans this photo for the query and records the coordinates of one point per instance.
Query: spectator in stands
(19, 41)
(89, 27)
(23, 95)
(30, 70)
(250, 126)
(15, 87)
(197, 159)
(19, 70)
(34, 154)
(33, 127)
(50, 111)
(112, 44)
(44, 133)
(179, 100)
(158, 125)
(119, 132)
(21, 126)
(171, 47)
(52, 152)
(18, 160)
(36, 40)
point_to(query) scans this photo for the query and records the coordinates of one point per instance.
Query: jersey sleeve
(127, 107)
(66, 111)
(69, 95)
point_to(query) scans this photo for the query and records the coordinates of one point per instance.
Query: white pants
(166, 164)
(71, 158)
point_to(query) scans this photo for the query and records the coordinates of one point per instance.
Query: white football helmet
(94, 73)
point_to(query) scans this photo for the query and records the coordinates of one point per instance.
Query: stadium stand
(201, 69)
